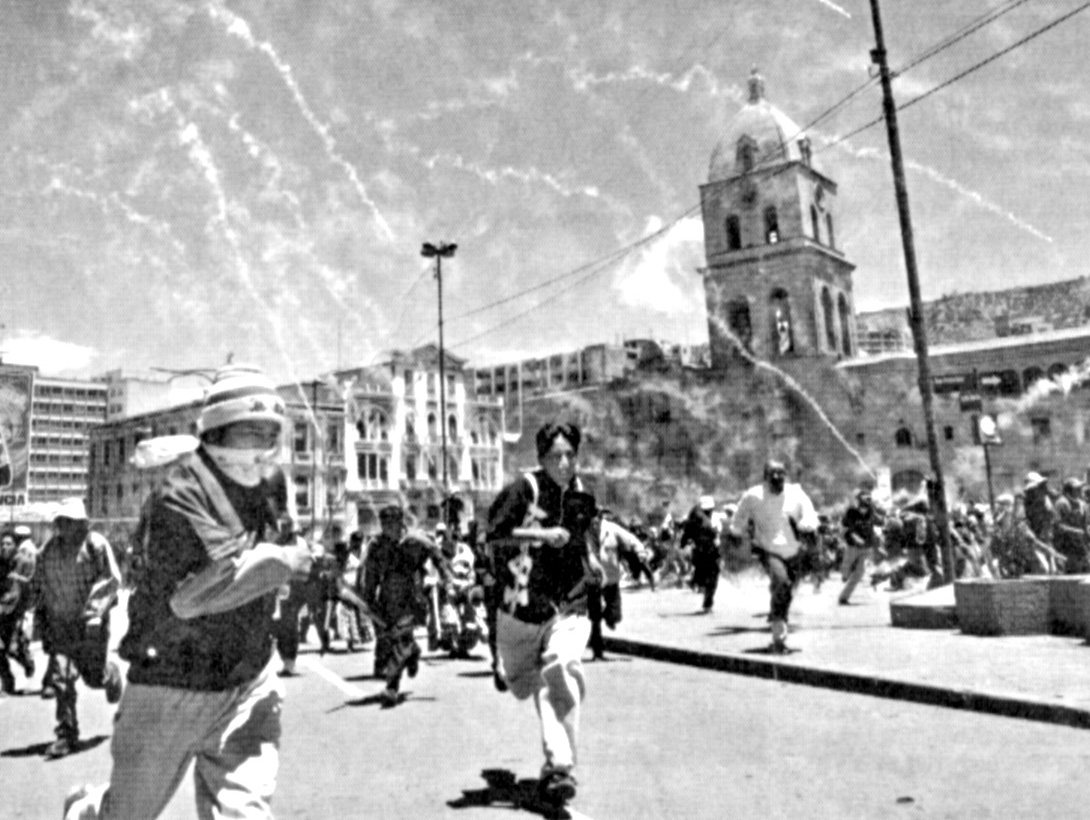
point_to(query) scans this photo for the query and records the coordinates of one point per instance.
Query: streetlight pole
(443, 249)
(915, 313)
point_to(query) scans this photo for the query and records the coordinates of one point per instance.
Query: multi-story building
(397, 432)
(358, 439)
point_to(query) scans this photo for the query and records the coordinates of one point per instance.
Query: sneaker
(389, 697)
(113, 683)
(412, 666)
(27, 663)
(288, 671)
(61, 747)
(499, 680)
(557, 787)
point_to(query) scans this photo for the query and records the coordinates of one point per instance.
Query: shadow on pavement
(38, 749)
(503, 787)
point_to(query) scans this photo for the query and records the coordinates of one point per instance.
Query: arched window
(1031, 375)
(373, 425)
(845, 325)
(783, 334)
(410, 468)
(814, 222)
(830, 319)
(452, 427)
(772, 225)
(746, 154)
(903, 436)
(433, 427)
(410, 424)
(433, 468)
(829, 229)
(739, 324)
(734, 233)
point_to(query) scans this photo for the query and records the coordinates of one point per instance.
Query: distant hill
(965, 317)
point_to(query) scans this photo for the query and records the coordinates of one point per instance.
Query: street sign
(989, 431)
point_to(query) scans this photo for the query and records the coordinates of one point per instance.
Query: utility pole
(443, 249)
(915, 312)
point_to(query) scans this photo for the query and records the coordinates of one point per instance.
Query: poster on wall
(16, 389)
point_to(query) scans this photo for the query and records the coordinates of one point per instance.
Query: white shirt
(772, 516)
(613, 539)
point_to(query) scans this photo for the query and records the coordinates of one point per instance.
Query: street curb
(859, 684)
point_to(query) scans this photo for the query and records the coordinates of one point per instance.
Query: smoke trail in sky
(940, 179)
(268, 160)
(237, 27)
(835, 7)
(582, 80)
(495, 176)
(113, 203)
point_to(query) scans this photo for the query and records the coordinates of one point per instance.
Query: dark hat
(1073, 484)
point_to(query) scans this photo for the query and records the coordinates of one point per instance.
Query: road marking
(317, 666)
(347, 688)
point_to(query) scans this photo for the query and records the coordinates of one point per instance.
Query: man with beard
(782, 516)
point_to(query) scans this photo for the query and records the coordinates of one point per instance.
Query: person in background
(782, 517)
(393, 592)
(612, 544)
(860, 527)
(17, 562)
(1072, 528)
(74, 588)
(700, 535)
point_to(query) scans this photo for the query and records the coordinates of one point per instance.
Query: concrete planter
(1065, 608)
(1016, 606)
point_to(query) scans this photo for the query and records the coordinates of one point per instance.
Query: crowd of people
(222, 582)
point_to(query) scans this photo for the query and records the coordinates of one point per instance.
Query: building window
(814, 222)
(903, 436)
(948, 433)
(452, 427)
(783, 334)
(845, 325)
(746, 154)
(734, 233)
(302, 493)
(372, 468)
(410, 468)
(373, 426)
(410, 424)
(772, 225)
(740, 324)
(830, 319)
(1042, 428)
(299, 439)
(433, 427)
(333, 442)
(829, 229)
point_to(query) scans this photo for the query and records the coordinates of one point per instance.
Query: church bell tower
(776, 286)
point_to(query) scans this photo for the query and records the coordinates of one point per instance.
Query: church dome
(758, 136)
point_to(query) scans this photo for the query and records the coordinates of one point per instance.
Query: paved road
(660, 740)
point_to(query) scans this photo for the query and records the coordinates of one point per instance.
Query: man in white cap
(202, 689)
(700, 530)
(74, 588)
(781, 515)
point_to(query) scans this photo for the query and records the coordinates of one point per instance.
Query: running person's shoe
(557, 787)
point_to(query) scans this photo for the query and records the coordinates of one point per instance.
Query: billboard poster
(16, 389)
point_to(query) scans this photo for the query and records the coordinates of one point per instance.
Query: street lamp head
(446, 249)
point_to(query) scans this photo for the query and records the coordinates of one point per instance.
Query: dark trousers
(80, 653)
(603, 604)
(706, 573)
(783, 574)
(395, 648)
(13, 644)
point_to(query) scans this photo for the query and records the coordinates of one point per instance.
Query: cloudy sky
(180, 181)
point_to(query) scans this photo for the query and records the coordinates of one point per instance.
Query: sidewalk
(856, 648)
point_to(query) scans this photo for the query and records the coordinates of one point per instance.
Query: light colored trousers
(546, 661)
(233, 737)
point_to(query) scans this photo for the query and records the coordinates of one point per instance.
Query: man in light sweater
(782, 517)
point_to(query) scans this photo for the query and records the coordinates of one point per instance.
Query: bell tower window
(814, 222)
(734, 233)
(783, 334)
(830, 319)
(845, 325)
(772, 225)
(829, 229)
(746, 154)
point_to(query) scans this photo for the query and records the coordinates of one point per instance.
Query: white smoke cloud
(52, 357)
(649, 278)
